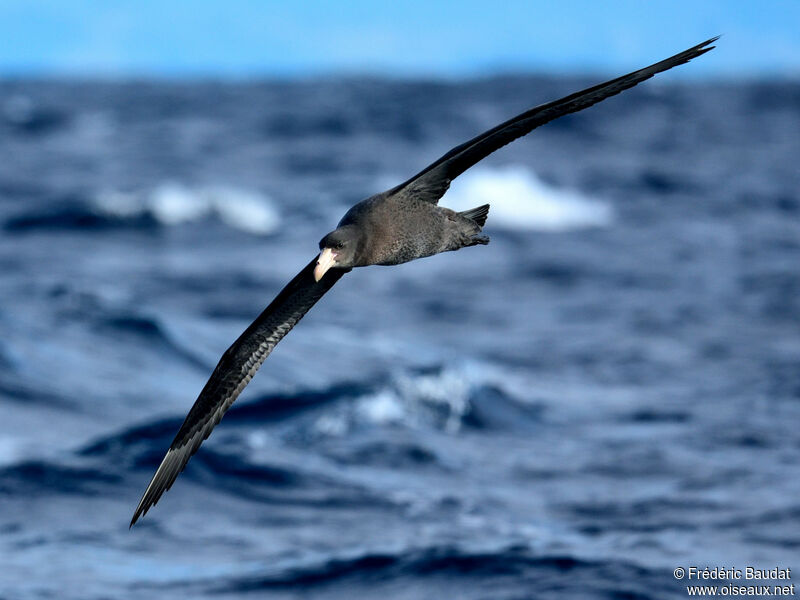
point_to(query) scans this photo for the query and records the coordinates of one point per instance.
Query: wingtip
(696, 51)
(144, 505)
(705, 45)
(138, 513)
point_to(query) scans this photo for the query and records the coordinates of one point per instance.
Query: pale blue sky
(466, 37)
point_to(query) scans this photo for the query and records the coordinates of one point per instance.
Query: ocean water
(607, 391)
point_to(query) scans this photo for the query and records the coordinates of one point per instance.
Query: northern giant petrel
(390, 228)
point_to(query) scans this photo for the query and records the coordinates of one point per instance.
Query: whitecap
(123, 205)
(384, 407)
(243, 209)
(11, 451)
(522, 201)
(439, 400)
(446, 392)
(173, 203)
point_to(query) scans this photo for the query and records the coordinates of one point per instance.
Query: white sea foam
(439, 400)
(382, 408)
(11, 450)
(520, 200)
(447, 392)
(244, 209)
(174, 203)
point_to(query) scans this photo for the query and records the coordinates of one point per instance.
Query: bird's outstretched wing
(234, 371)
(431, 183)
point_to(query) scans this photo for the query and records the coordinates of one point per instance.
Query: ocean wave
(135, 445)
(522, 201)
(228, 466)
(437, 401)
(11, 450)
(446, 399)
(148, 330)
(72, 214)
(173, 203)
(167, 205)
(506, 572)
(280, 480)
(417, 562)
(442, 399)
(25, 116)
(38, 477)
(15, 389)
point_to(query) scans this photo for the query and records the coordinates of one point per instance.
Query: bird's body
(397, 226)
(404, 228)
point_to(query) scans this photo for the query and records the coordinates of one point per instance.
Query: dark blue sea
(607, 391)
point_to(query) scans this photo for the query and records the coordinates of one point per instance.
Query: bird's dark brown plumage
(432, 182)
(396, 226)
(233, 372)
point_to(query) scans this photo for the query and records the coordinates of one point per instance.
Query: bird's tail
(477, 214)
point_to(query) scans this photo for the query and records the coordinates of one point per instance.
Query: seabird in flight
(394, 227)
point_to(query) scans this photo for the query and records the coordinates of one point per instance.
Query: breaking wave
(173, 203)
(166, 205)
(520, 200)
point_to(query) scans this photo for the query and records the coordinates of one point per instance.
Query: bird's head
(337, 249)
